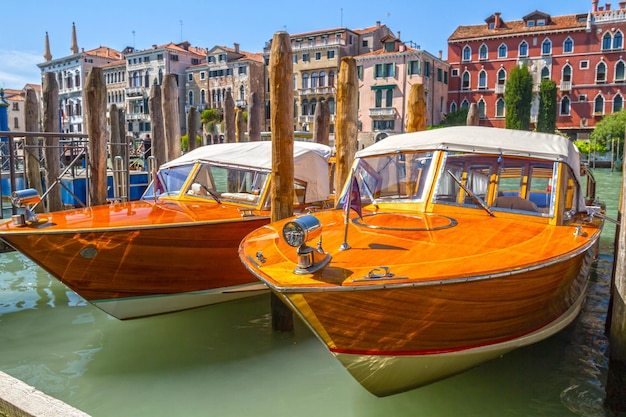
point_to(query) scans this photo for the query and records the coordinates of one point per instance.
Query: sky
(142, 23)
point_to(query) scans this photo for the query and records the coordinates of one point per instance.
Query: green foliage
(184, 142)
(210, 118)
(546, 121)
(518, 98)
(610, 127)
(455, 118)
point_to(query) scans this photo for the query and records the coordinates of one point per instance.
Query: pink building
(387, 75)
(582, 53)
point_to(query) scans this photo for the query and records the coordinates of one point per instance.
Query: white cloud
(19, 68)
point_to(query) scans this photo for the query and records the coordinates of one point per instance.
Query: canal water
(225, 360)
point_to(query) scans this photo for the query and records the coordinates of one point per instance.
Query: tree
(518, 97)
(546, 120)
(611, 127)
(455, 118)
(209, 119)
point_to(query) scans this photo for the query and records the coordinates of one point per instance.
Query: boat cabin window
(504, 183)
(393, 177)
(233, 184)
(168, 181)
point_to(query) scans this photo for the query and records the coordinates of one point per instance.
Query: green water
(225, 360)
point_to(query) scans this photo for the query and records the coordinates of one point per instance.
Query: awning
(384, 87)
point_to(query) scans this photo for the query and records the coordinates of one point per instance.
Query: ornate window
(523, 49)
(598, 105)
(467, 53)
(607, 40)
(482, 52)
(500, 106)
(546, 47)
(568, 46)
(502, 51)
(465, 83)
(482, 79)
(601, 72)
(565, 106)
(618, 103)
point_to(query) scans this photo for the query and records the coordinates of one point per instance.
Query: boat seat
(515, 203)
(247, 197)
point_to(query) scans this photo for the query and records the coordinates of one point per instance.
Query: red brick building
(583, 53)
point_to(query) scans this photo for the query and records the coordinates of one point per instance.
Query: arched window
(502, 51)
(545, 73)
(567, 73)
(146, 79)
(465, 104)
(190, 101)
(546, 47)
(501, 76)
(136, 79)
(619, 71)
(305, 81)
(314, 80)
(242, 92)
(482, 112)
(313, 105)
(500, 106)
(482, 52)
(331, 78)
(452, 107)
(305, 107)
(598, 105)
(523, 49)
(467, 53)
(482, 79)
(565, 106)
(568, 46)
(618, 103)
(607, 40)
(203, 97)
(601, 72)
(618, 40)
(465, 83)
(322, 79)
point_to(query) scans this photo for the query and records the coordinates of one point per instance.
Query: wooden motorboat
(461, 245)
(176, 248)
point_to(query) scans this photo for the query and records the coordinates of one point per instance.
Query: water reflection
(225, 360)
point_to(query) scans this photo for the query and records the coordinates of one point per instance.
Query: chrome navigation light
(25, 198)
(299, 231)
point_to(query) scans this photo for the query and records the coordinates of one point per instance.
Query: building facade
(387, 76)
(70, 74)
(583, 53)
(316, 62)
(16, 100)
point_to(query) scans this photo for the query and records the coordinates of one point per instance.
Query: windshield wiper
(471, 193)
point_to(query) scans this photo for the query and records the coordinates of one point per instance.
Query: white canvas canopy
(486, 140)
(310, 161)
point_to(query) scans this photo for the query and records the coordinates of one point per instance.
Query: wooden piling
(255, 118)
(95, 98)
(32, 147)
(229, 118)
(281, 118)
(192, 127)
(52, 153)
(240, 127)
(171, 118)
(321, 123)
(155, 106)
(115, 143)
(616, 376)
(346, 121)
(472, 115)
(416, 116)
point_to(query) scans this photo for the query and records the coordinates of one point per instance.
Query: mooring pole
(281, 116)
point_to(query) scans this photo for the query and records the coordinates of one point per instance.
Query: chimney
(440, 54)
(607, 6)
(378, 24)
(622, 4)
(399, 35)
(236, 47)
(594, 4)
(496, 23)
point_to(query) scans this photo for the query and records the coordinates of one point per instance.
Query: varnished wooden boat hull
(132, 271)
(448, 307)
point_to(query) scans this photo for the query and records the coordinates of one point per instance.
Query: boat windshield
(227, 183)
(503, 183)
(394, 177)
(168, 181)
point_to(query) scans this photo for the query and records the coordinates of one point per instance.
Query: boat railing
(73, 151)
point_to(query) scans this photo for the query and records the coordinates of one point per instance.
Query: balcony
(383, 113)
(566, 86)
(306, 119)
(135, 117)
(316, 90)
(500, 88)
(134, 91)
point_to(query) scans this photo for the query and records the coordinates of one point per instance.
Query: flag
(353, 198)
